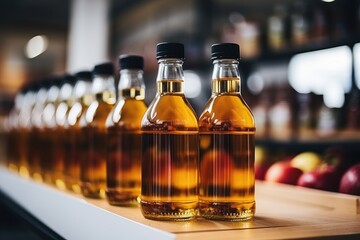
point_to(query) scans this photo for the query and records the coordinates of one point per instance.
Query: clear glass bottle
(124, 134)
(12, 128)
(81, 99)
(226, 130)
(169, 144)
(62, 109)
(48, 136)
(93, 128)
(24, 126)
(37, 127)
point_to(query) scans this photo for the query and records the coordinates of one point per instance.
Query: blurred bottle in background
(24, 126)
(280, 115)
(276, 28)
(12, 129)
(64, 103)
(93, 128)
(37, 129)
(81, 99)
(299, 24)
(124, 134)
(48, 135)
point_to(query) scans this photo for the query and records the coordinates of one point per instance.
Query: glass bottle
(124, 134)
(62, 109)
(93, 127)
(24, 130)
(81, 98)
(169, 144)
(12, 124)
(226, 130)
(47, 136)
(37, 127)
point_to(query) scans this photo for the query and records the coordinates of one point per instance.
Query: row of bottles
(72, 132)
(292, 25)
(283, 114)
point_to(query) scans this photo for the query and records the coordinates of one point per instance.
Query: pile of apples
(330, 171)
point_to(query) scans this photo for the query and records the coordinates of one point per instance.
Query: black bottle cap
(57, 80)
(84, 75)
(225, 51)
(70, 79)
(169, 50)
(131, 62)
(104, 69)
(45, 83)
(33, 87)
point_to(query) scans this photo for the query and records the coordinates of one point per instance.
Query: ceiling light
(36, 46)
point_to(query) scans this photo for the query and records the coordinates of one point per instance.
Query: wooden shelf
(283, 212)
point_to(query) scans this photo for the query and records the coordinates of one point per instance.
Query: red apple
(262, 163)
(338, 158)
(326, 178)
(350, 181)
(260, 171)
(283, 172)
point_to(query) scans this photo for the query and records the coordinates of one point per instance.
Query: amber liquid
(93, 167)
(94, 148)
(170, 156)
(59, 157)
(72, 144)
(226, 177)
(169, 172)
(47, 154)
(124, 149)
(123, 167)
(71, 174)
(12, 150)
(34, 154)
(23, 152)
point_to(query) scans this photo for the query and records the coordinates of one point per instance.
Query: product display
(124, 134)
(227, 141)
(70, 131)
(169, 144)
(80, 101)
(93, 130)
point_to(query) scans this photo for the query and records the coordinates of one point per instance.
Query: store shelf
(283, 212)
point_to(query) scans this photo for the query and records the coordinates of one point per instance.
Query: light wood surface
(283, 212)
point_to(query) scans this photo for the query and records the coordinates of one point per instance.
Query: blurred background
(300, 63)
(300, 59)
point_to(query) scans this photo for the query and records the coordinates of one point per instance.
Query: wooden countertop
(283, 212)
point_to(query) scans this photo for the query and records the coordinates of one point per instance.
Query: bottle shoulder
(96, 114)
(170, 112)
(226, 112)
(127, 114)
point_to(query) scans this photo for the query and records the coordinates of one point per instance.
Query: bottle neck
(81, 88)
(65, 92)
(226, 76)
(103, 88)
(170, 76)
(131, 84)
